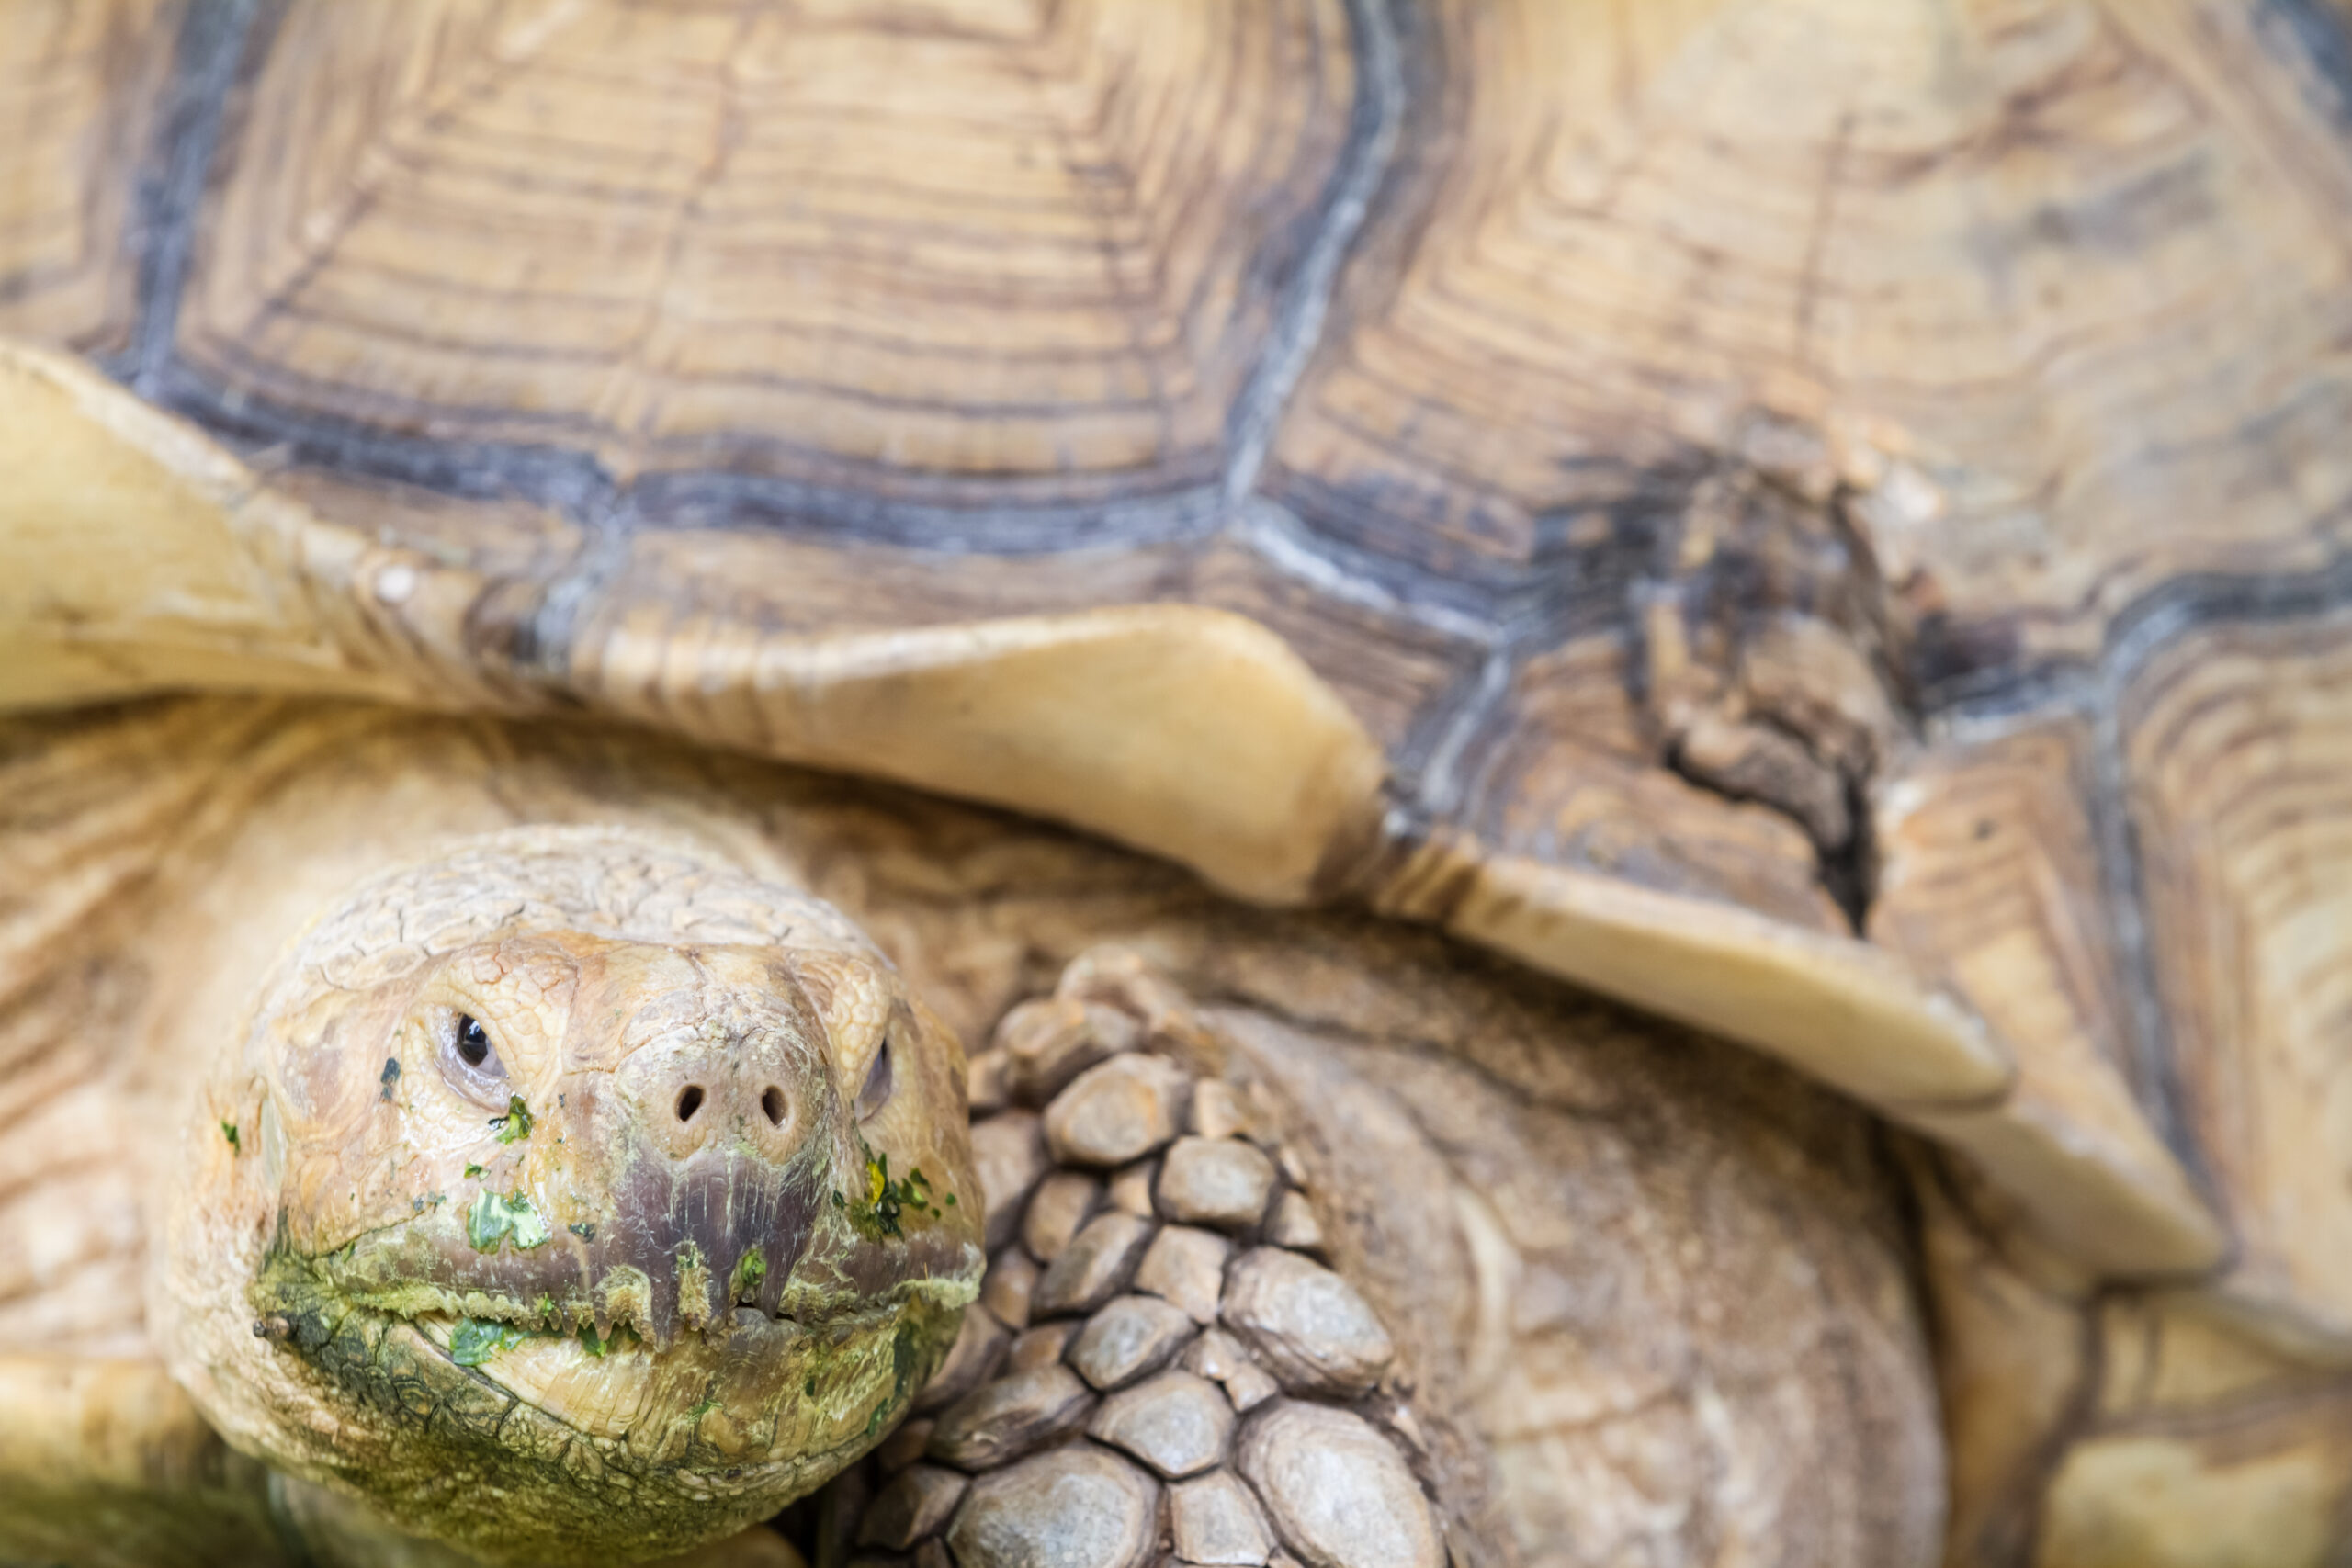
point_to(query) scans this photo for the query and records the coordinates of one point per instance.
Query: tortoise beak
(720, 1123)
(711, 1233)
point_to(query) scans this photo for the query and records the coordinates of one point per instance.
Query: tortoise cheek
(326, 1065)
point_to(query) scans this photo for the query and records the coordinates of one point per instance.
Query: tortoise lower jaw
(718, 1389)
(537, 1448)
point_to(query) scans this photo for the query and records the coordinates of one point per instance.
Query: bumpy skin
(1572, 1313)
(682, 1241)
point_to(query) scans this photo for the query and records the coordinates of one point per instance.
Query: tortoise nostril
(773, 1102)
(689, 1102)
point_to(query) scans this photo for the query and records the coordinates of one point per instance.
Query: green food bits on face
(530, 1231)
(887, 1203)
(609, 1343)
(389, 1078)
(473, 1170)
(809, 1388)
(581, 1229)
(516, 1124)
(229, 1131)
(750, 1272)
(475, 1341)
(494, 1219)
(486, 1221)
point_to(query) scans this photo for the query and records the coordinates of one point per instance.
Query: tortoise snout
(723, 1065)
(747, 1092)
(716, 1124)
(716, 1104)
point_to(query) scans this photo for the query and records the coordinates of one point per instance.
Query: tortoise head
(568, 1194)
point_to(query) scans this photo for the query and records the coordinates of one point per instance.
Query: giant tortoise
(1623, 733)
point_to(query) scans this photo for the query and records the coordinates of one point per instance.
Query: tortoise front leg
(1395, 1290)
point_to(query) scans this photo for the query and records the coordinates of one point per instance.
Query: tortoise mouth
(602, 1291)
(578, 1330)
(738, 1401)
(706, 1248)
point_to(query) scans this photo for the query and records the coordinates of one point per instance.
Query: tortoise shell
(1828, 522)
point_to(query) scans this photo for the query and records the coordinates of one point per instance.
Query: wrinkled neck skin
(568, 1196)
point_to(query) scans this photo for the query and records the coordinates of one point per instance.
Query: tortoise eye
(877, 1091)
(473, 1040)
(469, 1061)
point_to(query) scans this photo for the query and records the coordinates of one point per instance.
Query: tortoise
(1621, 729)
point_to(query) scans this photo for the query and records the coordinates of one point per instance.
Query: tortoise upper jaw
(712, 1233)
(630, 1236)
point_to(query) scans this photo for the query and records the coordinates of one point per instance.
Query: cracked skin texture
(1568, 1214)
